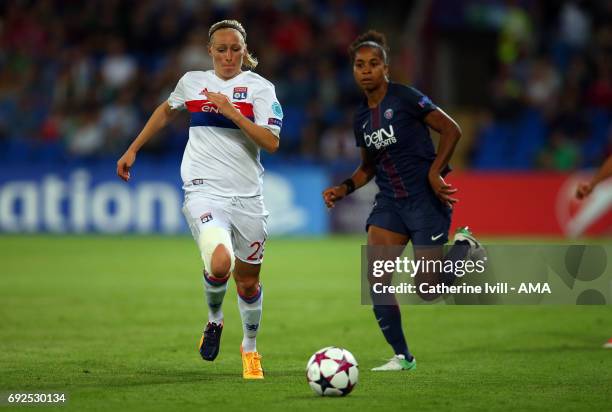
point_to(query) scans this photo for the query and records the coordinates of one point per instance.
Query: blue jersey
(395, 135)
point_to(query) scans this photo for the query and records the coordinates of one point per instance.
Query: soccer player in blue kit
(391, 127)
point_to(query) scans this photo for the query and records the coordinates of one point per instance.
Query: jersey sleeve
(418, 103)
(177, 97)
(267, 110)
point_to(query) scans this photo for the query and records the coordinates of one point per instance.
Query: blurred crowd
(551, 95)
(79, 79)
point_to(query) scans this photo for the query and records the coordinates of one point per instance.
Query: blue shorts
(424, 218)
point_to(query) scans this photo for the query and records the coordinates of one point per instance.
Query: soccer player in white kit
(234, 113)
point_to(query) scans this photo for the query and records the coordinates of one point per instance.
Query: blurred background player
(391, 127)
(234, 113)
(599, 202)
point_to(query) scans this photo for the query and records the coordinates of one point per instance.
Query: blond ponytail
(249, 62)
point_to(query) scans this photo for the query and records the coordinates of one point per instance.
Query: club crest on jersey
(240, 93)
(425, 101)
(388, 114)
(206, 217)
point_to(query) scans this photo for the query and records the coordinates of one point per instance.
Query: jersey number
(259, 251)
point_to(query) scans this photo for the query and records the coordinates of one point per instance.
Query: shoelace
(254, 364)
(210, 333)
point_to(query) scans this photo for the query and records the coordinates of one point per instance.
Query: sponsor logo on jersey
(277, 109)
(272, 121)
(388, 114)
(206, 217)
(206, 113)
(380, 138)
(425, 101)
(210, 107)
(240, 93)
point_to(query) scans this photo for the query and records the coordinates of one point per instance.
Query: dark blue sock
(389, 320)
(458, 251)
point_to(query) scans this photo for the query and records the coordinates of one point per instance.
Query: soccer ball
(332, 371)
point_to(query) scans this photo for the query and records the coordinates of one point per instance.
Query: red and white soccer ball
(332, 371)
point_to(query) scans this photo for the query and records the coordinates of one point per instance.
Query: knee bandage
(209, 239)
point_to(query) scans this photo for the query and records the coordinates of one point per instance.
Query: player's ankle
(249, 345)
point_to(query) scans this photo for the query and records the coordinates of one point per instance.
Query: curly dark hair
(370, 38)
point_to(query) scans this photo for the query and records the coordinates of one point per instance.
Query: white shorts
(243, 217)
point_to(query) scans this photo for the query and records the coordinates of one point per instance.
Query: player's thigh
(249, 230)
(379, 236)
(383, 245)
(385, 225)
(207, 216)
(428, 221)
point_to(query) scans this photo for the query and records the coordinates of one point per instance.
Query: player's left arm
(360, 177)
(604, 172)
(262, 136)
(450, 133)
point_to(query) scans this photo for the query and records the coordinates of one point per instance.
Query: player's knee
(427, 296)
(220, 262)
(247, 280)
(216, 251)
(247, 286)
(426, 293)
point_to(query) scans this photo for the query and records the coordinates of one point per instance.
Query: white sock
(250, 312)
(215, 292)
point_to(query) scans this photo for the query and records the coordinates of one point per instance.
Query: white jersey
(219, 158)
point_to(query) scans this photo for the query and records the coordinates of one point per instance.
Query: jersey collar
(238, 76)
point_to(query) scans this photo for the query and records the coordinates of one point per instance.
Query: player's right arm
(360, 177)
(604, 172)
(158, 120)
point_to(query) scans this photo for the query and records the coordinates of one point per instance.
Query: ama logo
(380, 138)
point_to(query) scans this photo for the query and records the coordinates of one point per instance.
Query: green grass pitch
(114, 323)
